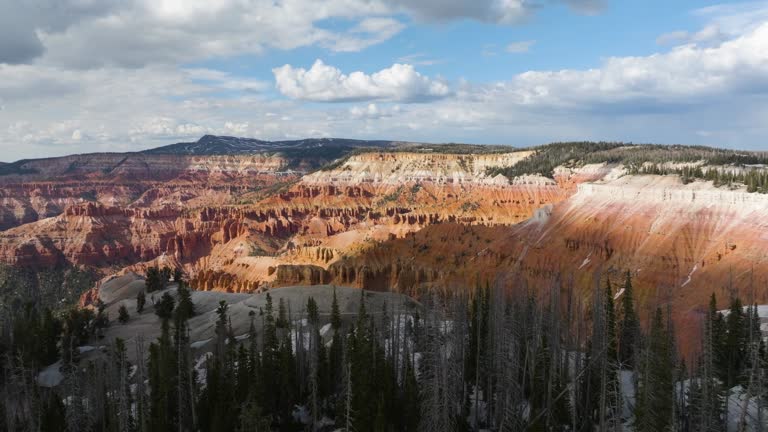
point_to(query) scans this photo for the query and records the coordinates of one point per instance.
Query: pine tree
(362, 370)
(270, 360)
(629, 327)
(141, 300)
(123, 315)
(162, 381)
(185, 307)
(336, 352)
(655, 397)
(164, 308)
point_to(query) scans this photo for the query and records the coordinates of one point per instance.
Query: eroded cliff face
(376, 198)
(392, 221)
(44, 188)
(680, 243)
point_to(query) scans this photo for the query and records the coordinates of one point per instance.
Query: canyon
(404, 218)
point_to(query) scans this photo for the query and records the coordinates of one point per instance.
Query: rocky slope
(407, 219)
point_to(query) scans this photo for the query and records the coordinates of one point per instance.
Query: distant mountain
(226, 145)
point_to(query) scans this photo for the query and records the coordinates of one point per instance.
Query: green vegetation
(122, 314)
(156, 279)
(756, 180)
(55, 288)
(647, 159)
(16, 168)
(530, 366)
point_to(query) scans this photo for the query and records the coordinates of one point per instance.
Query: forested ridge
(639, 159)
(489, 360)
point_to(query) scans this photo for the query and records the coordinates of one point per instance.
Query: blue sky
(472, 50)
(80, 76)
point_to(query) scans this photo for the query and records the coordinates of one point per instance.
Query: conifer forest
(469, 360)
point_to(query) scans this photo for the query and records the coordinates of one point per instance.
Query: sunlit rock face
(407, 221)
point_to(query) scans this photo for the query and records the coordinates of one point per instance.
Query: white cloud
(718, 79)
(419, 59)
(136, 33)
(493, 11)
(709, 34)
(520, 47)
(373, 111)
(370, 31)
(324, 83)
(497, 11)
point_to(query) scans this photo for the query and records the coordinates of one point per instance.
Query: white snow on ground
(301, 414)
(199, 344)
(690, 275)
(51, 376)
(324, 329)
(85, 348)
(626, 382)
(618, 294)
(305, 336)
(586, 261)
(743, 412)
(202, 375)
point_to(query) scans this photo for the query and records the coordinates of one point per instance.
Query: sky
(81, 76)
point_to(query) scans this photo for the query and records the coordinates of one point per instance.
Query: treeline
(756, 180)
(55, 287)
(489, 360)
(574, 154)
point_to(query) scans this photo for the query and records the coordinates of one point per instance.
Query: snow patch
(199, 344)
(690, 275)
(51, 376)
(586, 261)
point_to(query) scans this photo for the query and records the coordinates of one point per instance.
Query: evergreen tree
(141, 300)
(164, 308)
(629, 327)
(360, 353)
(185, 307)
(162, 381)
(655, 397)
(123, 315)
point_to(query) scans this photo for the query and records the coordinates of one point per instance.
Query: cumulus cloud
(325, 83)
(136, 33)
(21, 23)
(686, 74)
(138, 97)
(709, 34)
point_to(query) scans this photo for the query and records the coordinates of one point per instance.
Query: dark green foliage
(185, 308)
(644, 159)
(162, 380)
(547, 158)
(655, 397)
(529, 364)
(141, 300)
(35, 334)
(122, 314)
(629, 327)
(55, 288)
(156, 279)
(164, 307)
(756, 180)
